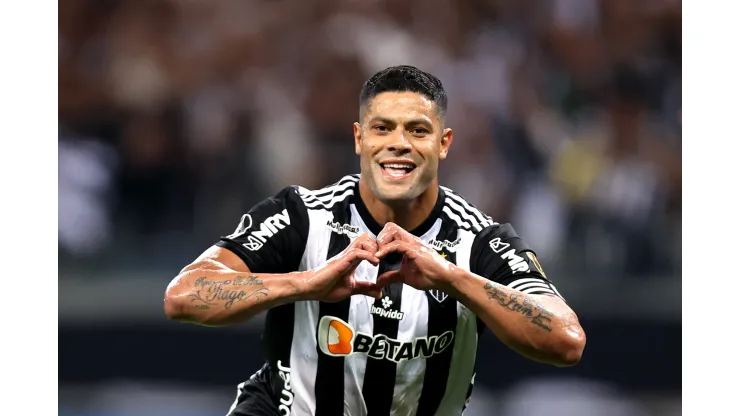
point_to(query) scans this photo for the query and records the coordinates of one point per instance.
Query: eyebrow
(412, 122)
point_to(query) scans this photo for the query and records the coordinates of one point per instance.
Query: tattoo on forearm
(522, 304)
(238, 281)
(210, 293)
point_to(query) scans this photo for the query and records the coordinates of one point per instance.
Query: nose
(398, 143)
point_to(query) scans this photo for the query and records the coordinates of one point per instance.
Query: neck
(407, 214)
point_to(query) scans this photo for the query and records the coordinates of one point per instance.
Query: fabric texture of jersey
(411, 352)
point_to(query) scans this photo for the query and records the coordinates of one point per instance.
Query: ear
(357, 130)
(445, 144)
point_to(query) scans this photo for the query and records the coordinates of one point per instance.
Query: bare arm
(540, 327)
(219, 289)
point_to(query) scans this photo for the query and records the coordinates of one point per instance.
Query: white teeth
(398, 166)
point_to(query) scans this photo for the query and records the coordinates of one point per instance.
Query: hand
(421, 266)
(336, 280)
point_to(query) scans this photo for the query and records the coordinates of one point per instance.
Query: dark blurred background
(176, 116)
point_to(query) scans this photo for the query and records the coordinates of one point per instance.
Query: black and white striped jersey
(410, 352)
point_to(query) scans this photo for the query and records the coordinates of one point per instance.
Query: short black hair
(405, 78)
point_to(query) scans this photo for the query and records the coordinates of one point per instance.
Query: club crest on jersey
(347, 229)
(438, 295)
(337, 338)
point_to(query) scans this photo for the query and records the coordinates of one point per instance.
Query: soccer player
(377, 287)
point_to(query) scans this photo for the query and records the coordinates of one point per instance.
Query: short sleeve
(501, 256)
(271, 237)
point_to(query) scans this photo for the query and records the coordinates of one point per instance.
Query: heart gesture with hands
(336, 280)
(421, 267)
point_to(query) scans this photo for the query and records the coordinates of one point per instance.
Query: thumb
(387, 278)
(346, 264)
(366, 288)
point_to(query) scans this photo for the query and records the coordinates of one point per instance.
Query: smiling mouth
(397, 170)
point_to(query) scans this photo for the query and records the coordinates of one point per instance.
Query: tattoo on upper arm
(228, 292)
(522, 304)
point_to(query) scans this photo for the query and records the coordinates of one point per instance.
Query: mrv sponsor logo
(385, 312)
(337, 339)
(517, 263)
(346, 229)
(286, 395)
(269, 227)
(244, 225)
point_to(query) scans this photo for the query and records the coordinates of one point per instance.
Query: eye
(381, 128)
(420, 131)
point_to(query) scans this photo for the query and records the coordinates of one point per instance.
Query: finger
(350, 259)
(394, 232)
(369, 245)
(362, 238)
(388, 278)
(365, 242)
(393, 247)
(346, 266)
(359, 255)
(387, 234)
(376, 293)
(366, 288)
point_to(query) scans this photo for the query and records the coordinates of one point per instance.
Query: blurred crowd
(175, 116)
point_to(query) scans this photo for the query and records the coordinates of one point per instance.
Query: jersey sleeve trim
(237, 249)
(534, 286)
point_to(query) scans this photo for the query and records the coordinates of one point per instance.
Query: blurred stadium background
(175, 116)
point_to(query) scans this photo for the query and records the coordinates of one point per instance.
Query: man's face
(400, 140)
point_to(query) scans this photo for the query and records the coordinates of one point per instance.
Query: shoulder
(328, 197)
(315, 198)
(500, 238)
(465, 214)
